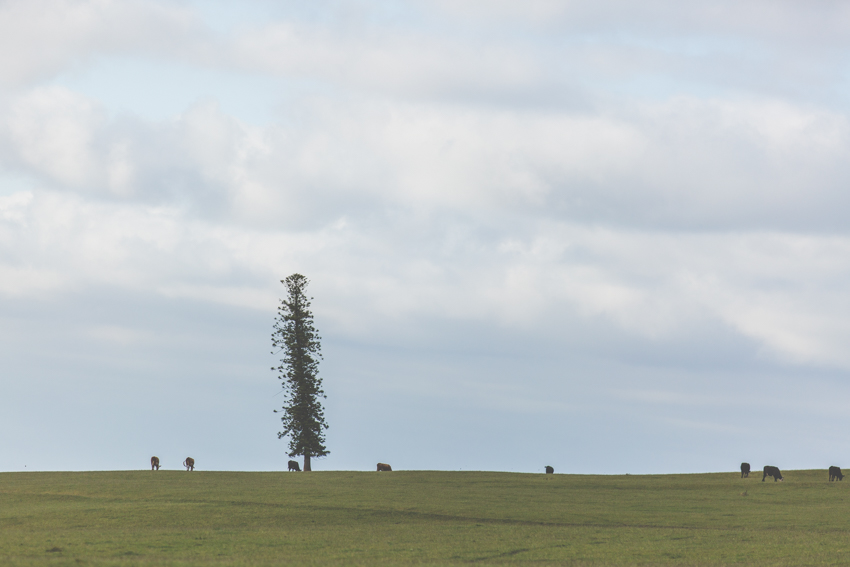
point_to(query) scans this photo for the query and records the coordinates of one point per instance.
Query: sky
(606, 236)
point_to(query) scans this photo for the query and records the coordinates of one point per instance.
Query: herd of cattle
(382, 467)
(189, 463)
(834, 473)
(769, 470)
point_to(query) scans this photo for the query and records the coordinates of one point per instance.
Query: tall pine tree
(294, 335)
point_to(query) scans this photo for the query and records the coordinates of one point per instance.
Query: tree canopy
(296, 337)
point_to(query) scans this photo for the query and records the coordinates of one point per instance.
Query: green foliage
(295, 336)
(399, 518)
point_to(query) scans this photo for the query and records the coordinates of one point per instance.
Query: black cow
(549, 470)
(772, 471)
(745, 470)
(293, 466)
(835, 472)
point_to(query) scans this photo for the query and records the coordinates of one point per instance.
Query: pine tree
(294, 335)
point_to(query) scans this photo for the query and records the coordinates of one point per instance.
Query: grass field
(445, 518)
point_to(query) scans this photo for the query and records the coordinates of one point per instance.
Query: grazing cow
(189, 463)
(835, 472)
(154, 463)
(293, 466)
(549, 470)
(772, 471)
(745, 470)
(384, 467)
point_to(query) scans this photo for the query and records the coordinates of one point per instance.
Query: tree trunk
(307, 463)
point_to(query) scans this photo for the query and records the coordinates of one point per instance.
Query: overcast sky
(605, 236)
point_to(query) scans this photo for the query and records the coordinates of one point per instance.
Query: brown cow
(154, 463)
(384, 467)
(189, 463)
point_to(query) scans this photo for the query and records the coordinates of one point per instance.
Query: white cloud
(39, 38)
(12, 207)
(450, 182)
(823, 22)
(427, 211)
(52, 131)
(411, 62)
(648, 285)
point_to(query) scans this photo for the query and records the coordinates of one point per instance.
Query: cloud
(52, 131)
(397, 279)
(707, 164)
(518, 218)
(409, 62)
(43, 37)
(824, 22)
(571, 206)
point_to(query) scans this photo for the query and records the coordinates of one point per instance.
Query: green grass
(445, 518)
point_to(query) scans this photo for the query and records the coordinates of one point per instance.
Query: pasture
(405, 517)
